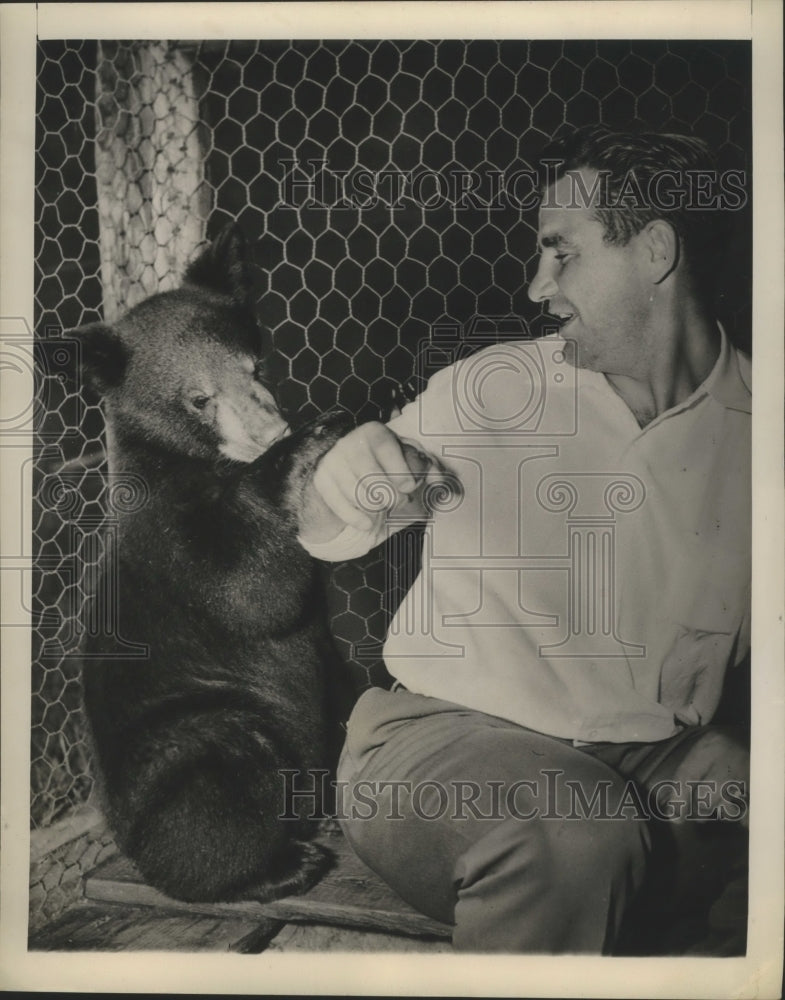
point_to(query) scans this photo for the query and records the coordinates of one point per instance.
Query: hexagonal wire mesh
(145, 149)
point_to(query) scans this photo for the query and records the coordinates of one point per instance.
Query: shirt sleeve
(350, 543)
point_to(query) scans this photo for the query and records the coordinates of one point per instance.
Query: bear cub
(191, 739)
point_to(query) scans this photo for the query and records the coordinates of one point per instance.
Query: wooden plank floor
(113, 927)
(350, 909)
(319, 937)
(350, 895)
(106, 927)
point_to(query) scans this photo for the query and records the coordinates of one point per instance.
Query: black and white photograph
(396, 577)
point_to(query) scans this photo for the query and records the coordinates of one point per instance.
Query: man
(547, 751)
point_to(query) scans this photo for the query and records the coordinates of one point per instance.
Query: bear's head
(185, 371)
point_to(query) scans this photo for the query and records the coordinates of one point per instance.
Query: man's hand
(368, 471)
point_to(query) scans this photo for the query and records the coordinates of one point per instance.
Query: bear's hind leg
(211, 823)
(299, 866)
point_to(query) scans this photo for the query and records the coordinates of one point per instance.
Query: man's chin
(576, 357)
(571, 353)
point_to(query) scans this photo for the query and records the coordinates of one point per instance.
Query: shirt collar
(729, 381)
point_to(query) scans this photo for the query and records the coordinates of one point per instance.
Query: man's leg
(697, 894)
(477, 830)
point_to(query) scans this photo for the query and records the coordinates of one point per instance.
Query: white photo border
(756, 975)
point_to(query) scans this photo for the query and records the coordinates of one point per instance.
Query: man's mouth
(561, 317)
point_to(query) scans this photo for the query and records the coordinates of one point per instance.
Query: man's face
(599, 292)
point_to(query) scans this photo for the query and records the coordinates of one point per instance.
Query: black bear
(190, 741)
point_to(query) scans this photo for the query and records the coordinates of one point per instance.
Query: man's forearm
(326, 536)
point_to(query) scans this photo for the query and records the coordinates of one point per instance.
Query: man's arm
(370, 482)
(374, 480)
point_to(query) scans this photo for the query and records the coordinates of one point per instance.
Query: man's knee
(719, 753)
(714, 775)
(549, 884)
(559, 851)
(409, 851)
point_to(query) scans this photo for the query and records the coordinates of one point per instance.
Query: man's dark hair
(640, 172)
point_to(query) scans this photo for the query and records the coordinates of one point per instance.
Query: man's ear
(102, 356)
(664, 248)
(224, 266)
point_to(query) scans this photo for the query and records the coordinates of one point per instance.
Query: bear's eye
(200, 402)
(260, 372)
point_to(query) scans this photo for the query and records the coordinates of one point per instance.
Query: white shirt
(589, 579)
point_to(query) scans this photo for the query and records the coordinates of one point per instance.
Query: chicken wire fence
(345, 163)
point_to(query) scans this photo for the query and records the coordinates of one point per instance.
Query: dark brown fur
(191, 740)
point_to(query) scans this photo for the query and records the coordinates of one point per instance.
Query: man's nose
(543, 285)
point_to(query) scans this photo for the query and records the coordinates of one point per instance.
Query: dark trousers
(526, 843)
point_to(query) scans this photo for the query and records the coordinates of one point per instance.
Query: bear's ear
(103, 356)
(224, 266)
